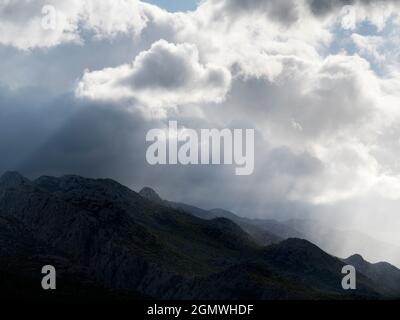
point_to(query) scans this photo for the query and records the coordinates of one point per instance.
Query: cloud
(323, 7)
(23, 23)
(326, 109)
(369, 46)
(290, 13)
(303, 74)
(164, 76)
(285, 11)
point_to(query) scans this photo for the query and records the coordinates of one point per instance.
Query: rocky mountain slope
(105, 238)
(264, 232)
(385, 275)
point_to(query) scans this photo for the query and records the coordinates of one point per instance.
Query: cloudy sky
(319, 81)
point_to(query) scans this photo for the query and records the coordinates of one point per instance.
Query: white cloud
(326, 106)
(369, 46)
(110, 17)
(165, 76)
(21, 21)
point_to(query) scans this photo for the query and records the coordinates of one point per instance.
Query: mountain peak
(221, 212)
(356, 259)
(13, 179)
(150, 194)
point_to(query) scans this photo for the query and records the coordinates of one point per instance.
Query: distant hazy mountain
(107, 240)
(264, 232)
(343, 243)
(268, 231)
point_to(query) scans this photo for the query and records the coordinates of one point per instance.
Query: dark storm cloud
(65, 135)
(284, 11)
(71, 136)
(323, 7)
(58, 69)
(287, 11)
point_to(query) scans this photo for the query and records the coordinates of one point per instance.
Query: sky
(318, 81)
(176, 5)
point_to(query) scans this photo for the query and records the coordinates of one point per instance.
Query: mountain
(108, 240)
(264, 234)
(260, 234)
(337, 242)
(383, 274)
(343, 243)
(12, 179)
(22, 257)
(151, 195)
(299, 259)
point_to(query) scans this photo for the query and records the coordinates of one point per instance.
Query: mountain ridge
(128, 243)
